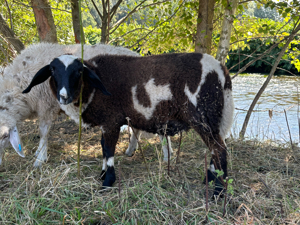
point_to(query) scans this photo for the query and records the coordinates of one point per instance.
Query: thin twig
(119, 182)
(206, 185)
(165, 136)
(287, 123)
(225, 198)
(298, 113)
(10, 17)
(178, 152)
(269, 189)
(80, 98)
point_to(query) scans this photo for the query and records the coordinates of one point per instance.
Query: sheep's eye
(52, 70)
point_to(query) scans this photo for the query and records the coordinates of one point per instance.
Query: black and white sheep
(16, 107)
(159, 94)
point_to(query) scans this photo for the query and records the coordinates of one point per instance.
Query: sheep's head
(66, 72)
(8, 130)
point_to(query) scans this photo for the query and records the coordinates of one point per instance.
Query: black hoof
(110, 177)
(219, 188)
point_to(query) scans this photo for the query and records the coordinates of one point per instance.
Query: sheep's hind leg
(41, 152)
(108, 142)
(218, 159)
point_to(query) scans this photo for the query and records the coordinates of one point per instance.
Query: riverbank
(265, 187)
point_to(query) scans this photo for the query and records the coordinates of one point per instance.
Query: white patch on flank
(110, 161)
(104, 164)
(67, 59)
(73, 111)
(227, 114)
(156, 93)
(192, 97)
(209, 64)
(212, 168)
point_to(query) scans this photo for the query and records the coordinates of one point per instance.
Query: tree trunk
(290, 38)
(203, 38)
(104, 24)
(10, 36)
(224, 42)
(44, 20)
(76, 21)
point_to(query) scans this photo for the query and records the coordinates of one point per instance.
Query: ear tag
(15, 141)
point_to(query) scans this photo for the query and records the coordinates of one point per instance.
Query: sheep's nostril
(63, 97)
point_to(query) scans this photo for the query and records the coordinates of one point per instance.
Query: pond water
(280, 94)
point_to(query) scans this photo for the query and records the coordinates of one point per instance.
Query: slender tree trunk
(44, 21)
(76, 21)
(10, 36)
(104, 23)
(224, 42)
(291, 37)
(203, 38)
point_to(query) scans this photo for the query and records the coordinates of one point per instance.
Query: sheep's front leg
(165, 147)
(41, 152)
(133, 144)
(108, 142)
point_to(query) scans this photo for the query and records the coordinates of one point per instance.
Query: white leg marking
(212, 168)
(104, 164)
(156, 94)
(165, 148)
(133, 144)
(1, 156)
(110, 161)
(43, 145)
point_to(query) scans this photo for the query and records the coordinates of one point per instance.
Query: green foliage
(264, 66)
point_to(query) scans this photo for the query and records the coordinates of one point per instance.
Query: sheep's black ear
(41, 76)
(95, 81)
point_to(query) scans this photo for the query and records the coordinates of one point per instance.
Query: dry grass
(265, 188)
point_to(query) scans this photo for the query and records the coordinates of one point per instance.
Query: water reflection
(280, 94)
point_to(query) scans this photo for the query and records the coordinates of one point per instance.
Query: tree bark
(76, 21)
(44, 21)
(203, 37)
(10, 36)
(104, 23)
(224, 42)
(290, 38)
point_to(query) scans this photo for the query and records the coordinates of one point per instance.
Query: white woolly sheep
(16, 107)
(160, 94)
